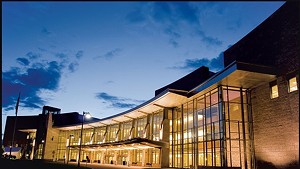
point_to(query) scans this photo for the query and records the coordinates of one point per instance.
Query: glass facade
(211, 129)
(68, 142)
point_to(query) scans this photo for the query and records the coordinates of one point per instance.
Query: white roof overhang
(166, 99)
(237, 74)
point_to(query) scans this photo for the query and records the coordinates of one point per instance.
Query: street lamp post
(88, 115)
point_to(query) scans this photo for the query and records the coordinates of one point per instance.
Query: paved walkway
(109, 166)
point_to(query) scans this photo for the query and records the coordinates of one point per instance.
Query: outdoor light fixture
(87, 115)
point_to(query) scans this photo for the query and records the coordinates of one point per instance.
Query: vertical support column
(106, 135)
(151, 126)
(129, 158)
(133, 129)
(51, 140)
(195, 131)
(251, 134)
(148, 128)
(244, 134)
(93, 156)
(115, 159)
(32, 150)
(144, 157)
(222, 127)
(182, 136)
(119, 132)
(103, 154)
(67, 150)
(165, 151)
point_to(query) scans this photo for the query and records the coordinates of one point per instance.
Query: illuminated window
(274, 91)
(293, 84)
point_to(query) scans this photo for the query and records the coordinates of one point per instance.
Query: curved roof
(167, 98)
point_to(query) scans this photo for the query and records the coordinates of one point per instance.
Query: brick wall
(276, 124)
(277, 36)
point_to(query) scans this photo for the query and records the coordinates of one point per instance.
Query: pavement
(111, 166)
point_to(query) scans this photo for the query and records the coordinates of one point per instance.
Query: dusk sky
(108, 57)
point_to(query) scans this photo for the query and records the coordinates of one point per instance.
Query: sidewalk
(111, 166)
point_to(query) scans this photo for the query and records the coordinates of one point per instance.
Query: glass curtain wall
(157, 120)
(156, 135)
(238, 126)
(99, 135)
(113, 132)
(141, 124)
(209, 130)
(176, 140)
(213, 129)
(125, 133)
(62, 144)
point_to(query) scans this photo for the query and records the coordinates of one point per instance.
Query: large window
(63, 142)
(113, 132)
(87, 136)
(293, 84)
(126, 130)
(212, 130)
(99, 135)
(155, 155)
(141, 124)
(157, 120)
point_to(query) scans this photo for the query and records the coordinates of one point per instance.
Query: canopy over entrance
(129, 144)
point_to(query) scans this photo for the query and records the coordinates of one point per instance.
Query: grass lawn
(35, 164)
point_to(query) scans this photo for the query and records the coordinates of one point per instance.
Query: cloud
(110, 54)
(38, 76)
(174, 43)
(61, 55)
(173, 12)
(109, 82)
(79, 54)
(32, 55)
(42, 49)
(186, 12)
(174, 35)
(45, 31)
(172, 17)
(23, 61)
(209, 40)
(214, 64)
(73, 66)
(118, 102)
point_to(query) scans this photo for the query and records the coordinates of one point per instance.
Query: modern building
(245, 116)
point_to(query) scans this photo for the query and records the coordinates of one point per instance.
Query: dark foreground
(35, 164)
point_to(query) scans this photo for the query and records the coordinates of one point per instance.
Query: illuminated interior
(274, 91)
(293, 84)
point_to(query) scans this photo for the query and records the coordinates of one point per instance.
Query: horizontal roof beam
(143, 112)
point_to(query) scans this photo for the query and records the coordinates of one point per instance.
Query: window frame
(289, 84)
(273, 84)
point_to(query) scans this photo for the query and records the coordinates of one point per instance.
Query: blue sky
(107, 57)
